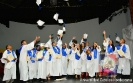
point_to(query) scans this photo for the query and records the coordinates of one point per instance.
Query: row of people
(56, 59)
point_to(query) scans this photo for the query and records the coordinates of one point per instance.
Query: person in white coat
(96, 49)
(111, 53)
(32, 64)
(64, 53)
(41, 71)
(56, 50)
(23, 59)
(88, 58)
(9, 59)
(124, 60)
(49, 61)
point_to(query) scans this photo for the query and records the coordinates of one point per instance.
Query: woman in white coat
(88, 57)
(96, 49)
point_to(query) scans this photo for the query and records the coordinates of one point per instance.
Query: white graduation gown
(89, 64)
(97, 64)
(65, 62)
(124, 63)
(9, 73)
(57, 63)
(23, 65)
(32, 68)
(75, 65)
(49, 68)
(41, 68)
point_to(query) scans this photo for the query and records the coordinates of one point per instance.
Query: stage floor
(72, 79)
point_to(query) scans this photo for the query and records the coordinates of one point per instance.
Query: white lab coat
(88, 65)
(11, 72)
(41, 68)
(57, 63)
(124, 63)
(23, 65)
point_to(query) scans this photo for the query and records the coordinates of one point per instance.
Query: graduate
(96, 49)
(88, 58)
(32, 64)
(41, 74)
(124, 60)
(72, 44)
(64, 53)
(75, 60)
(56, 50)
(49, 61)
(83, 66)
(23, 59)
(110, 54)
(9, 58)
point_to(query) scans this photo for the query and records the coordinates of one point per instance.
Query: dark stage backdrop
(20, 31)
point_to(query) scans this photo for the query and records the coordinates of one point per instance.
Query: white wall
(20, 31)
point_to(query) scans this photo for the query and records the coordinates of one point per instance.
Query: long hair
(93, 47)
(81, 47)
(113, 45)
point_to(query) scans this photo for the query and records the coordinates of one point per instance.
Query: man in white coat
(124, 60)
(9, 59)
(23, 65)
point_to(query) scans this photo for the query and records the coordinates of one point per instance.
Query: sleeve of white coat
(127, 54)
(105, 43)
(99, 49)
(4, 56)
(59, 43)
(29, 46)
(81, 41)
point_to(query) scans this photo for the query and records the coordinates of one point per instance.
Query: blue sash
(50, 57)
(89, 57)
(110, 49)
(44, 52)
(95, 53)
(70, 51)
(8, 52)
(76, 56)
(56, 49)
(30, 54)
(20, 49)
(64, 52)
(34, 53)
(123, 49)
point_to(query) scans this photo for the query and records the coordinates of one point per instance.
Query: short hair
(124, 40)
(7, 47)
(22, 42)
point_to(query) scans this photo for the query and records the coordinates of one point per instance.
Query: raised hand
(74, 37)
(104, 32)
(50, 37)
(37, 38)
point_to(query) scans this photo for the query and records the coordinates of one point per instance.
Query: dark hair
(22, 42)
(74, 41)
(7, 47)
(93, 46)
(81, 48)
(113, 45)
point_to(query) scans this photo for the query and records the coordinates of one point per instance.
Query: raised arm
(104, 35)
(31, 45)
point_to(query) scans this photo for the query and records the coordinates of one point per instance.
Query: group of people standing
(56, 59)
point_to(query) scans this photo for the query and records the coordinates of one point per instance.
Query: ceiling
(27, 11)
